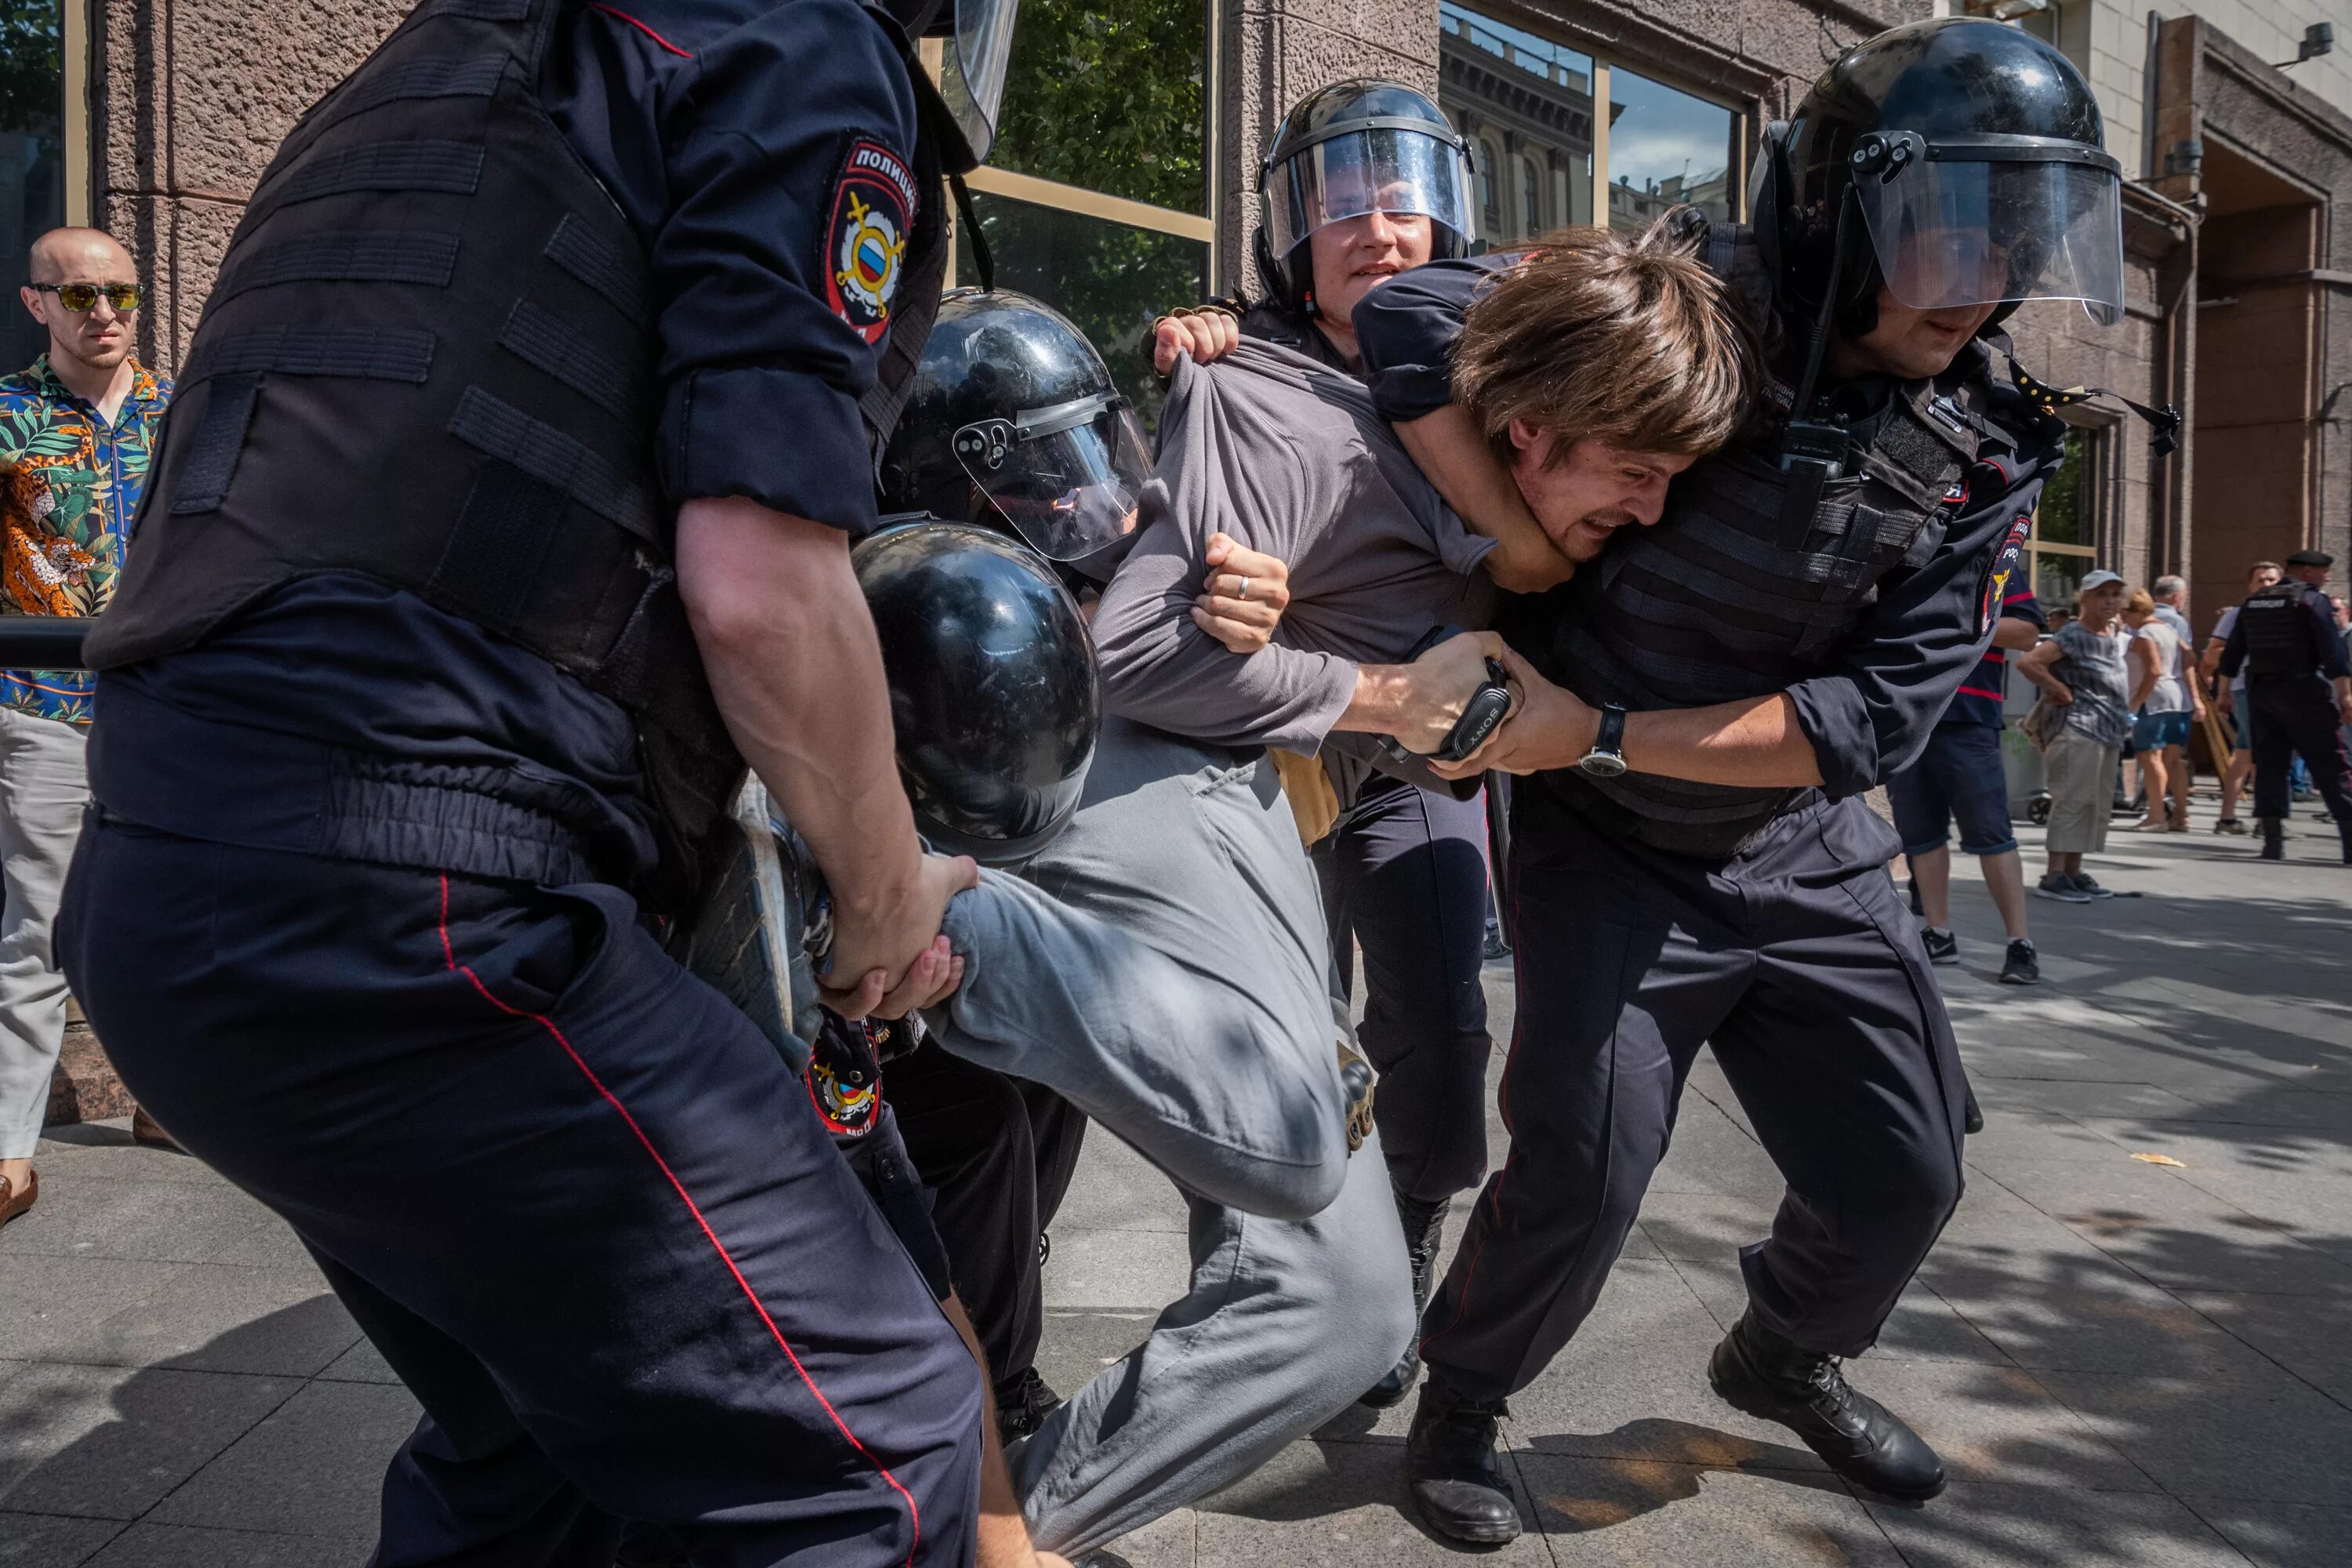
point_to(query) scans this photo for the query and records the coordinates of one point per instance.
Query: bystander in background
(2160, 728)
(2083, 670)
(1959, 776)
(2241, 765)
(77, 428)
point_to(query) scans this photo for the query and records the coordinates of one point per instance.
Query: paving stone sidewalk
(2134, 1344)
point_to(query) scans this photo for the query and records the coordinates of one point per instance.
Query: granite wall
(192, 98)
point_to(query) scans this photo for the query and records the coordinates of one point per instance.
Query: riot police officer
(2286, 643)
(500, 521)
(1707, 700)
(1366, 179)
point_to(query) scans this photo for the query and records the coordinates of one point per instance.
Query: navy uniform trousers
(2295, 715)
(996, 1154)
(1404, 874)
(1799, 965)
(571, 1195)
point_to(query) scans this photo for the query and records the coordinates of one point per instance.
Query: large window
(1585, 134)
(2067, 524)
(32, 153)
(1525, 99)
(1668, 148)
(1095, 199)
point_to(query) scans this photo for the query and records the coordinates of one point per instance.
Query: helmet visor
(1952, 232)
(1382, 169)
(971, 75)
(1066, 478)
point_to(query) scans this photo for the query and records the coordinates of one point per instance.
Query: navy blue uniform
(1959, 774)
(2295, 715)
(352, 917)
(1791, 955)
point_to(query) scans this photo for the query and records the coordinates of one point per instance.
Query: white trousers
(43, 785)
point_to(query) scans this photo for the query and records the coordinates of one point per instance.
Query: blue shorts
(1958, 775)
(2153, 731)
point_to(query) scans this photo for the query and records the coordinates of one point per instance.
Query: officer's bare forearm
(1454, 458)
(2015, 633)
(1003, 1533)
(793, 659)
(1756, 741)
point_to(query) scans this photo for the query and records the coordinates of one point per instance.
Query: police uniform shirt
(1889, 683)
(722, 128)
(2318, 618)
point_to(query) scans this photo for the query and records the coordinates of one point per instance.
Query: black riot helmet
(972, 70)
(1355, 147)
(1013, 421)
(1957, 160)
(995, 692)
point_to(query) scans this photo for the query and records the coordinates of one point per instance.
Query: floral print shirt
(91, 475)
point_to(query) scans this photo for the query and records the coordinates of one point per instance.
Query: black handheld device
(1488, 706)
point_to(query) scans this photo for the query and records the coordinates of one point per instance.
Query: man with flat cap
(2300, 690)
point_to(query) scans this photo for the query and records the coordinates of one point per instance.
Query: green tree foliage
(32, 60)
(1109, 97)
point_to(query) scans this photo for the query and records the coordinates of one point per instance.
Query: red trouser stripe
(914, 1517)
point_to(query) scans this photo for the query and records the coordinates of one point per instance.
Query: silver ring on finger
(1242, 593)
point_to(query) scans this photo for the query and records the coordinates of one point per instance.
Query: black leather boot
(2344, 831)
(2273, 837)
(1425, 1230)
(1756, 1371)
(1449, 1457)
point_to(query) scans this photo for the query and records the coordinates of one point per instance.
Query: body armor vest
(2277, 640)
(428, 359)
(1735, 593)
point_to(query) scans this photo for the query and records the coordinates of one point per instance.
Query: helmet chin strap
(983, 262)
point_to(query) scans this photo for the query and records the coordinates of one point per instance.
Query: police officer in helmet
(1706, 700)
(2285, 646)
(1366, 179)
(503, 522)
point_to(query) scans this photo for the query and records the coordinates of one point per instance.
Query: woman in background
(2084, 668)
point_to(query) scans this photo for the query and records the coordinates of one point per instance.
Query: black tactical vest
(1722, 600)
(2278, 635)
(428, 359)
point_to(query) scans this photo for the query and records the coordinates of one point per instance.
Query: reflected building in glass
(1525, 104)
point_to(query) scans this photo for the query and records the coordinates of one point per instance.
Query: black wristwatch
(1607, 758)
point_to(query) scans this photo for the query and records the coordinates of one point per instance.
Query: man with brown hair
(1289, 1320)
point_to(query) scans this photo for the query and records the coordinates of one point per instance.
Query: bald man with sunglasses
(75, 430)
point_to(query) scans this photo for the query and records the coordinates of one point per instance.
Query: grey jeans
(43, 785)
(1166, 965)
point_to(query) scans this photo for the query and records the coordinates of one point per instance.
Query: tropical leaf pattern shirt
(91, 474)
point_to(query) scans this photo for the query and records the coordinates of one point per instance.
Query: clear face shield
(971, 73)
(1379, 168)
(1956, 225)
(1067, 478)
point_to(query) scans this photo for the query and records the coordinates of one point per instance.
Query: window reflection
(1665, 149)
(1111, 96)
(1523, 97)
(31, 152)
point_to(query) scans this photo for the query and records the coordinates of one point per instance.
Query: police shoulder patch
(864, 242)
(2002, 569)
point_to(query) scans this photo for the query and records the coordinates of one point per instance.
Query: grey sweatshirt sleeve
(1242, 476)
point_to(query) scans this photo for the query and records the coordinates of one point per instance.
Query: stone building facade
(2238, 254)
